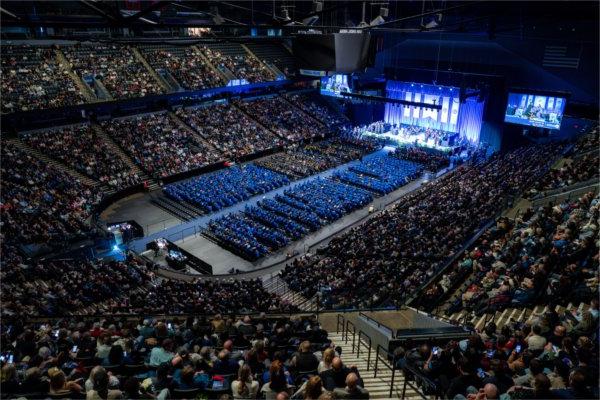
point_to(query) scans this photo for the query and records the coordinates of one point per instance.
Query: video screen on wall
(335, 85)
(542, 111)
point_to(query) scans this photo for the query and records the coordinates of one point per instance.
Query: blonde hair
(328, 355)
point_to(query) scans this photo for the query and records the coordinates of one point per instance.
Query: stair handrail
(340, 322)
(348, 323)
(424, 381)
(362, 333)
(391, 366)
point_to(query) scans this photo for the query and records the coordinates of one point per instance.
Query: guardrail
(391, 366)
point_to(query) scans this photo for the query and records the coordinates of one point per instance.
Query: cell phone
(11, 358)
(169, 325)
(124, 354)
(2, 358)
(555, 349)
(74, 349)
(518, 348)
(56, 333)
(435, 351)
(490, 353)
(480, 373)
(217, 385)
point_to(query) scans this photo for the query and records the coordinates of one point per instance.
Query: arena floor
(158, 223)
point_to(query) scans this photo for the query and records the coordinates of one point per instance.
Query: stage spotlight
(116, 247)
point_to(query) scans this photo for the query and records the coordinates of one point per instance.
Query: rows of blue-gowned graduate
(274, 223)
(381, 175)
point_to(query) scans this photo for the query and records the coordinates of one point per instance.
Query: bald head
(352, 380)
(228, 345)
(491, 391)
(336, 363)
(282, 396)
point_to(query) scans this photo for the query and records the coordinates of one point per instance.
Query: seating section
(230, 130)
(282, 118)
(396, 251)
(313, 104)
(312, 158)
(546, 256)
(184, 63)
(381, 174)
(158, 144)
(116, 66)
(433, 160)
(81, 148)
(41, 204)
(178, 358)
(227, 187)
(582, 166)
(236, 60)
(32, 79)
(275, 54)
(547, 357)
(274, 223)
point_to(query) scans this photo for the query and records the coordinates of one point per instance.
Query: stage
(398, 139)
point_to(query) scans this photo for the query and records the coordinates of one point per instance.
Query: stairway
(251, 54)
(121, 153)
(87, 92)
(60, 166)
(193, 132)
(216, 70)
(161, 81)
(378, 387)
(279, 287)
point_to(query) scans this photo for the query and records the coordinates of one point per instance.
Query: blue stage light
(116, 247)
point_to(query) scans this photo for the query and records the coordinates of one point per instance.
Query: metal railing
(390, 365)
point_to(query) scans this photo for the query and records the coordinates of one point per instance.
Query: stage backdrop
(465, 118)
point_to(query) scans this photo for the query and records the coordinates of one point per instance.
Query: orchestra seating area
(227, 187)
(274, 223)
(233, 59)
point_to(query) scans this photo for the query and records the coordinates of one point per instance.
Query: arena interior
(299, 199)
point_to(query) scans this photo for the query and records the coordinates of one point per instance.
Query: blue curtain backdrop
(463, 118)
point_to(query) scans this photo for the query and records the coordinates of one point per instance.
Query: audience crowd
(229, 130)
(115, 66)
(242, 66)
(578, 170)
(185, 65)
(41, 204)
(33, 79)
(83, 149)
(281, 117)
(431, 159)
(309, 159)
(548, 256)
(546, 358)
(159, 145)
(118, 357)
(392, 254)
(313, 104)
(213, 192)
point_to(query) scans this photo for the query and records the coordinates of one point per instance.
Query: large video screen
(535, 110)
(335, 85)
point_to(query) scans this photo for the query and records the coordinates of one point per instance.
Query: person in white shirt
(244, 387)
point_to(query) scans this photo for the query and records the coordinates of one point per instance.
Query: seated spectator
(244, 387)
(277, 381)
(33, 79)
(101, 389)
(224, 365)
(162, 353)
(352, 390)
(59, 384)
(188, 378)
